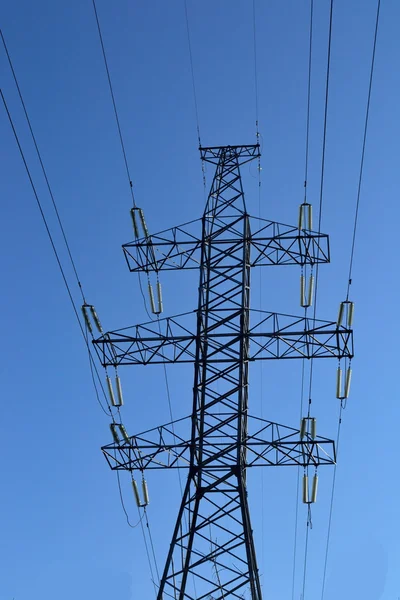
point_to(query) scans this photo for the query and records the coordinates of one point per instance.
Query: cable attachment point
(307, 499)
(346, 308)
(305, 216)
(343, 394)
(159, 299)
(135, 222)
(85, 311)
(119, 401)
(306, 296)
(145, 490)
(115, 427)
(308, 425)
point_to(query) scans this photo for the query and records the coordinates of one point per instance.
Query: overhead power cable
(91, 360)
(350, 275)
(92, 365)
(196, 106)
(306, 154)
(363, 149)
(255, 69)
(308, 99)
(114, 103)
(121, 139)
(321, 196)
(49, 234)
(42, 165)
(332, 502)
(139, 279)
(322, 180)
(123, 505)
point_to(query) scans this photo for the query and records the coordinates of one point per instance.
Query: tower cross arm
(278, 336)
(278, 244)
(272, 243)
(163, 341)
(269, 444)
(273, 336)
(172, 249)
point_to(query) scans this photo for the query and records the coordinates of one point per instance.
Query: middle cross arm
(268, 444)
(274, 336)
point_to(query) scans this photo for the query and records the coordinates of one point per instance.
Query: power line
(151, 542)
(123, 505)
(321, 195)
(114, 103)
(196, 107)
(297, 487)
(92, 364)
(84, 334)
(308, 100)
(255, 67)
(42, 165)
(350, 276)
(332, 501)
(140, 283)
(67, 286)
(363, 148)
(310, 45)
(121, 139)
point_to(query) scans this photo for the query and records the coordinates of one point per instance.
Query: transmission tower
(212, 553)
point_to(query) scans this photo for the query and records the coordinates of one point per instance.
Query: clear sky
(63, 531)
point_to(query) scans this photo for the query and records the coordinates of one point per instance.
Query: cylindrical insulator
(305, 489)
(350, 314)
(301, 216)
(87, 320)
(124, 433)
(159, 297)
(347, 383)
(119, 391)
(309, 220)
(302, 290)
(145, 230)
(314, 489)
(111, 391)
(114, 433)
(134, 223)
(145, 492)
(313, 428)
(339, 383)
(340, 315)
(136, 492)
(303, 426)
(151, 296)
(96, 319)
(310, 291)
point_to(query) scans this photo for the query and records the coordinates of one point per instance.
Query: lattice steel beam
(272, 244)
(271, 444)
(281, 336)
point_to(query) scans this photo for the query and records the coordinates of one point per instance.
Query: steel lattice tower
(212, 553)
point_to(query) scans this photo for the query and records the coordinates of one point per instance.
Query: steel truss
(212, 554)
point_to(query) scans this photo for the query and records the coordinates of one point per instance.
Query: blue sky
(63, 531)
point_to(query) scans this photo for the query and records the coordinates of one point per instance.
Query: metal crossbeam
(271, 444)
(272, 244)
(274, 336)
